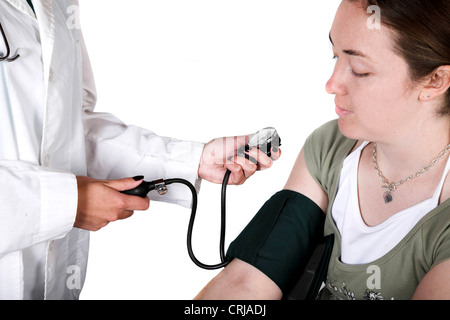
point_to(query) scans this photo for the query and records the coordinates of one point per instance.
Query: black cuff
(279, 239)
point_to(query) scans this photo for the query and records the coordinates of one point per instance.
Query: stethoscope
(263, 140)
(7, 57)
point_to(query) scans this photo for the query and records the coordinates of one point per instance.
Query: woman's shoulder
(328, 135)
(327, 144)
(328, 129)
(324, 151)
(435, 230)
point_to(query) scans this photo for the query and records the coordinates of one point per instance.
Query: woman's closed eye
(360, 75)
(354, 73)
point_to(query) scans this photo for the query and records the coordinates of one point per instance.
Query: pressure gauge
(264, 140)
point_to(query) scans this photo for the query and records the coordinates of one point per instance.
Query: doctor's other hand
(219, 155)
(100, 202)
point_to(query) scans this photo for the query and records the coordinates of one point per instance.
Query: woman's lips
(342, 112)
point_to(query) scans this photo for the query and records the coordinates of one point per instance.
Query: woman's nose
(335, 85)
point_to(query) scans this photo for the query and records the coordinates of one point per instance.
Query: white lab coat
(41, 255)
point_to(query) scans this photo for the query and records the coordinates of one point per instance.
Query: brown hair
(422, 34)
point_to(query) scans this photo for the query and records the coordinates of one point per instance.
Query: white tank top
(361, 244)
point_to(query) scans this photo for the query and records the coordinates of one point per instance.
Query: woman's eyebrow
(356, 53)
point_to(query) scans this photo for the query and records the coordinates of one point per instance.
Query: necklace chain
(391, 186)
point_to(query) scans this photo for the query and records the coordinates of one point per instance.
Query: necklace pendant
(388, 197)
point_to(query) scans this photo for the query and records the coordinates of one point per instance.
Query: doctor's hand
(100, 202)
(220, 154)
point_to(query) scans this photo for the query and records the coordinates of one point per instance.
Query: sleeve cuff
(59, 204)
(183, 163)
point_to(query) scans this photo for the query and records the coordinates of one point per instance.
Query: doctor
(62, 165)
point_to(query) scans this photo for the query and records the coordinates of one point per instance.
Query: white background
(198, 70)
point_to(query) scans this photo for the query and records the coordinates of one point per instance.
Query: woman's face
(375, 98)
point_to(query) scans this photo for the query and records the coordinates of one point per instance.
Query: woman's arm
(436, 284)
(302, 182)
(240, 280)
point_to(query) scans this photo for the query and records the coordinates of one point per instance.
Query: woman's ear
(437, 84)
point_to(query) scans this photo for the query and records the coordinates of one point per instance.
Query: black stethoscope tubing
(223, 258)
(6, 57)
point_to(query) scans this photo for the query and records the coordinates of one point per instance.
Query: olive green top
(397, 274)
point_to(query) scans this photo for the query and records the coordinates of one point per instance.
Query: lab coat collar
(46, 19)
(23, 6)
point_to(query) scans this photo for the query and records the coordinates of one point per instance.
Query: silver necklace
(391, 186)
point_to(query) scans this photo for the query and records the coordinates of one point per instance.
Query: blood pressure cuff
(280, 238)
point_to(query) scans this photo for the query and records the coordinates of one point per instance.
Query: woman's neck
(406, 154)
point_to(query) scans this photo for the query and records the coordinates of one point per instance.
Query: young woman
(379, 171)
